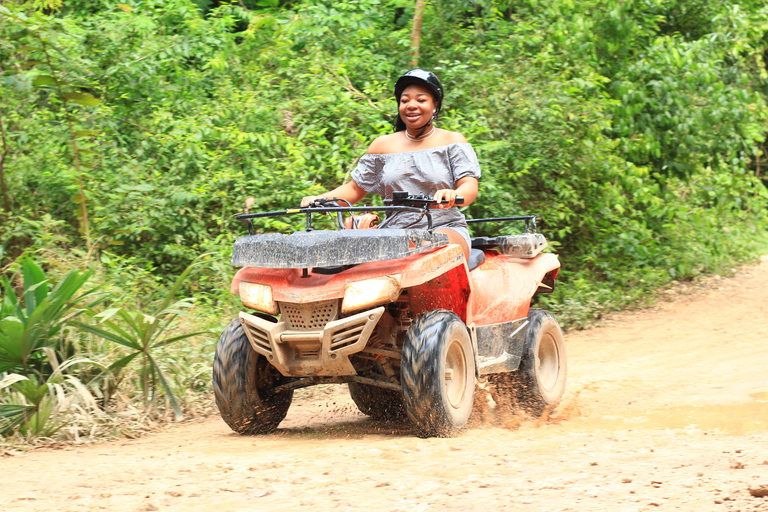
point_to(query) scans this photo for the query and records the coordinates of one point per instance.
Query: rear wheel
(540, 380)
(438, 373)
(378, 403)
(242, 383)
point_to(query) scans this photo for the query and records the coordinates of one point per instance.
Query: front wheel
(242, 383)
(438, 373)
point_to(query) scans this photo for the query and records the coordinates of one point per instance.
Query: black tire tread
(245, 408)
(419, 377)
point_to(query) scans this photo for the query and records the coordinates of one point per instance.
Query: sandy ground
(666, 409)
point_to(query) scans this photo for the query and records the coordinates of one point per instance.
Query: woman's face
(416, 106)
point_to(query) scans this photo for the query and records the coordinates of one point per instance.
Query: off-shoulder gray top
(420, 172)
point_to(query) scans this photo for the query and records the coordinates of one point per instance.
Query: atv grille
(314, 315)
(257, 336)
(348, 334)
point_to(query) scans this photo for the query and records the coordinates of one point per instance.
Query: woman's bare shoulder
(453, 137)
(383, 143)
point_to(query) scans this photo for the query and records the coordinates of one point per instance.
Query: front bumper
(321, 351)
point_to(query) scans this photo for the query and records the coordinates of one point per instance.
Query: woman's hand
(306, 201)
(445, 194)
(349, 192)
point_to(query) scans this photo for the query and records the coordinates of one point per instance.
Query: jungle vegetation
(132, 133)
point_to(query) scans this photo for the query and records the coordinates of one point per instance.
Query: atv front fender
(289, 285)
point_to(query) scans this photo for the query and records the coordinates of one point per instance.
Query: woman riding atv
(418, 158)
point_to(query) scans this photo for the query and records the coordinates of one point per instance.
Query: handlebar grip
(458, 200)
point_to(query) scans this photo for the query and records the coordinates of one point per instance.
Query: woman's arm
(350, 191)
(466, 187)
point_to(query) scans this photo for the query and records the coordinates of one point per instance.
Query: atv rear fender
(504, 286)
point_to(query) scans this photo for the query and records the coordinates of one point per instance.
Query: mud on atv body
(396, 313)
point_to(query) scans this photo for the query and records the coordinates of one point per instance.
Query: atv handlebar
(403, 202)
(399, 203)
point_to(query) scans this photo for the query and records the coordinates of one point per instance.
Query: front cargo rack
(400, 202)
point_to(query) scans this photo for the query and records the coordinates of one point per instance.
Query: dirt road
(666, 409)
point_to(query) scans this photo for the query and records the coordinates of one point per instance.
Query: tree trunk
(82, 210)
(418, 17)
(3, 154)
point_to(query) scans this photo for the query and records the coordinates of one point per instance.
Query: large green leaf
(12, 416)
(11, 336)
(82, 98)
(35, 286)
(9, 410)
(123, 362)
(43, 80)
(38, 419)
(31, 390)
(38, 329)
(117, 329)
(130, 319)
(8, 307)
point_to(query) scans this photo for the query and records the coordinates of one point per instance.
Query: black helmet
(419, 77)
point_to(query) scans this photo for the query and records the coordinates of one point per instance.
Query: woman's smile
(413, 116)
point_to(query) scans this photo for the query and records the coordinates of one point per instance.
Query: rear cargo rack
(530, 221)
(527, 245)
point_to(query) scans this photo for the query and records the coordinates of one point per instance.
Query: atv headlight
(371, 292)
(259, 297)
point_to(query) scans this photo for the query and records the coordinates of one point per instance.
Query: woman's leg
(455, 238)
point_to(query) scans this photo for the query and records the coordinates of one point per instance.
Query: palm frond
(108, 335)
(168, 391)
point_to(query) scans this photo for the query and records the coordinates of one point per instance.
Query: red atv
(397, 314)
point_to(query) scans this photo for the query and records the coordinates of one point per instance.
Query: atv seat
(476, 257)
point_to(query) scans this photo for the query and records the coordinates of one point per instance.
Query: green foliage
(48, 48)
(32, 323)
(33, 408)
(144, 334)
(31, 327)
(37, 394)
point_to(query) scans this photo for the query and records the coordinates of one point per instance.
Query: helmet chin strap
(424, 128)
